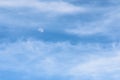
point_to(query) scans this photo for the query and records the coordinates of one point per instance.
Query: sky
(59, 39)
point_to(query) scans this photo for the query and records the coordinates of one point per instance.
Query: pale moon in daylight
(41, 30)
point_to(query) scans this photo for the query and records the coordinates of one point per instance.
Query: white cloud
(107, 24)
(39, 58)
(35, 13)
(63, 59)
(100, 67)
(88, 29)
(51, 7)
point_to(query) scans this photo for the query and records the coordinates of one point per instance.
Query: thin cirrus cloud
(98, 66)
(35, 13)
(54, 6)
(107, 24)
(59, 40)
(39, 58)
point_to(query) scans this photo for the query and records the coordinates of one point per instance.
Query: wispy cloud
(51, 7)
(34, 57)
(107, 24)
(35, 13)
(98, 66)
(29, 25)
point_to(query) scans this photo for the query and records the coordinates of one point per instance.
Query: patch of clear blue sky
(6, 75)
(11, 35)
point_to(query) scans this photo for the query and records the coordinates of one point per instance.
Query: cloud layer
(59, 40)
(61, 59)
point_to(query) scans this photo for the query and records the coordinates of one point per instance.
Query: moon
(41, 30)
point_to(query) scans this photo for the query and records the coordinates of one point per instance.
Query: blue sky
(59, 40)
